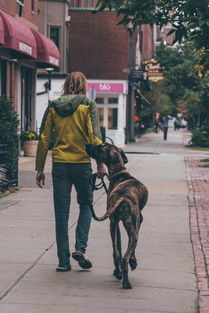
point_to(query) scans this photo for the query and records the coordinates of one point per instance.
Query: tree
(189, 20)
(186, 88)
(8, 140)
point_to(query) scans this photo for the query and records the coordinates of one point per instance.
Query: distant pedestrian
(157, 122)
(165, 122)
(73, 119)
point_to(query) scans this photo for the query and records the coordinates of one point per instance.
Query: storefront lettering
(25, 48)
(53, 60)
(104, 86)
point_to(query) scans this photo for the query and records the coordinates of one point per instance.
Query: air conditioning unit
(68, 19)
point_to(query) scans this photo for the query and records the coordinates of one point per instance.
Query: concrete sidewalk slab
(164, 280)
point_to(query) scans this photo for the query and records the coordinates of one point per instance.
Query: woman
(73, 121)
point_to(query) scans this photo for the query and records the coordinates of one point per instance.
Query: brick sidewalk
(198, 197)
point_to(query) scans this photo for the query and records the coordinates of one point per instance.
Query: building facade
(106, 53)
(92, 42)
(22, 51)
(54, 24)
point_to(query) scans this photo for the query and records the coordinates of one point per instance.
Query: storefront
(22, 51)
(110, 96)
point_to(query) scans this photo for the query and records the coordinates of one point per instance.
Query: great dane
(126, 198)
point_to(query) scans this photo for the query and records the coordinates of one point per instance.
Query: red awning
(18, 37)
(48, 53)
(1, 32)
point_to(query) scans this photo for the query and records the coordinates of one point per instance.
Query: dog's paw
(133, 264)
(118, 274)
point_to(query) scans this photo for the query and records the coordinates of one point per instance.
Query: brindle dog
(125, 200)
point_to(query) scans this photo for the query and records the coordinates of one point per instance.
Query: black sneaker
(63, 268)
(82, 260)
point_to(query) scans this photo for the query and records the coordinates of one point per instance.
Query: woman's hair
(75, 83)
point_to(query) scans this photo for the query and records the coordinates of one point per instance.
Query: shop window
(54, 35)
(99, 100)
(113, 100)
(101, 117)
(3, 77)
(112, 118)
(20, 7)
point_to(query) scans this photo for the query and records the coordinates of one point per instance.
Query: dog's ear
(124, 157)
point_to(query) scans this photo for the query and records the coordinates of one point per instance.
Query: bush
(8, 140)
(200, 137)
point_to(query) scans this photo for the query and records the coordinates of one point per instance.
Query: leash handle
(100, 185)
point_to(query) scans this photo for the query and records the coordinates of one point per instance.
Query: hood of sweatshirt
(67, 104)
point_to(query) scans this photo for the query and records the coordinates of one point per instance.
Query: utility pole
(130, 108)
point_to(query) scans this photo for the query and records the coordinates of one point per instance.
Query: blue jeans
(64, 175)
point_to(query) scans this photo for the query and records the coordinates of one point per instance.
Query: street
(164, 280)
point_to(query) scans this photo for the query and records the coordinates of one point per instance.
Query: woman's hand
(101, 171)
(40, 179)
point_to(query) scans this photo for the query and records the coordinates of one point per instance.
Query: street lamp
(49, 70)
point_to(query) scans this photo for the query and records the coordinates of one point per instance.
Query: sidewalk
(165, 279)
(198, 197)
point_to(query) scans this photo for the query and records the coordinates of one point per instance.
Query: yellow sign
(154, 70)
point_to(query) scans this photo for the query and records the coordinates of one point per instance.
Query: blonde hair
(75, 83)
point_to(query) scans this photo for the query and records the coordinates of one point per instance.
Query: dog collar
(116, 174)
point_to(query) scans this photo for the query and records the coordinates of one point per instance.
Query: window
(83, 3)
(26, 98)
(33, 6)
(112, 118)
(20, 7)
(99, 100)
(113, 100)
(54, 35)
(101, 117)
(3, 77)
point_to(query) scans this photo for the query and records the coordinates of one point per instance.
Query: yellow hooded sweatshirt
(72, 121)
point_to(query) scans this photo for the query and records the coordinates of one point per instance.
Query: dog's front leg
(116, 244)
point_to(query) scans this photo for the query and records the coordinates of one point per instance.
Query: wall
(98, 46)
(54, 13)
(147, 41)
(30, 18)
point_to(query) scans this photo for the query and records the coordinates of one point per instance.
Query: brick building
(99, 47)
(106, 53)
(22, 50)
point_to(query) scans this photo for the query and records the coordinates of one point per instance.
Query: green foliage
(188, 18)
(187, 89)
(29, 135)
(200, 137)
(160, 102)
(8, 137)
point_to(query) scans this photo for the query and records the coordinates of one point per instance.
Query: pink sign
(107, 87)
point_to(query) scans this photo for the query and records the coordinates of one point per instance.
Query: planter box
(30, 147)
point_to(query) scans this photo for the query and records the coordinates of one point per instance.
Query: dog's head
(107, 153)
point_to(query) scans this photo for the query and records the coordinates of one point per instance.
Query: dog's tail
(109, 212)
